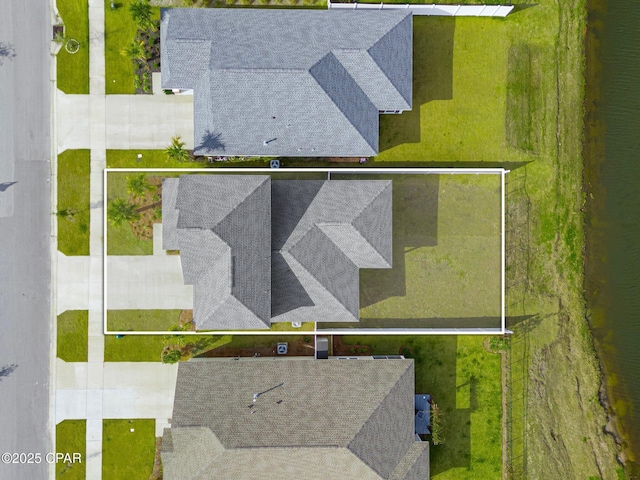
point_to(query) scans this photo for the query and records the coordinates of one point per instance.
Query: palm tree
(176, 150)
(138, 186)
(120, 211)
(141, 12)
(135, 50)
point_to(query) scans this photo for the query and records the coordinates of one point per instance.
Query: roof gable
(273, 55)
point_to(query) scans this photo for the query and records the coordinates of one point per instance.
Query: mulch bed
(296, 348)
(341, 349)
(146, 206)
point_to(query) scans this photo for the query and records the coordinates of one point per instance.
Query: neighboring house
(294, 419)
(257, 250)
(299, 83)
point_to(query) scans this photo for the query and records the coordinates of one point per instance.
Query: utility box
(322, 348)
(283, 347)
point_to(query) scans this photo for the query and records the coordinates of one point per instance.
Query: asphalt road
(25, 144)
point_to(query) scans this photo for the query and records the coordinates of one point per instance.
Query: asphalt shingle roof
(223, 232)
(287, 251)
(312, 80)
(328, 419)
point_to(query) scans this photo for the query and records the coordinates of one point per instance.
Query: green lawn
(459, 95)
(446, 255)
(71, 438)
(162, 320)
(128, 455)
(121, 240)
(73, 69)
(120, 29)
(464, 381)
(74, 169)
(73, 336)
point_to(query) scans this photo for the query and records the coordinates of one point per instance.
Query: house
(257, 250)
(298, 83)
(294, 419)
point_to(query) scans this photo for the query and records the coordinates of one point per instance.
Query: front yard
(128, 449)
(120, 30)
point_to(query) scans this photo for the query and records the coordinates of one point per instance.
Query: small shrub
(437, 426)
(171, 356)
(307, 339)
(498, 344)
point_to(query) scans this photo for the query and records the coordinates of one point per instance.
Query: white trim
(342, 331)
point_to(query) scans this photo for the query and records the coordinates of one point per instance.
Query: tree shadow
(7, 52)
(7, 370)
(210, 143)
(415, 225)
(432, 78)
(4, 186)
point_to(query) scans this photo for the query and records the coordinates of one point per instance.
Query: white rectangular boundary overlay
(343, 331)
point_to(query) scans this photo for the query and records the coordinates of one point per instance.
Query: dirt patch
(157, 461)
(186, 320)
(296, 348)
(341, 349)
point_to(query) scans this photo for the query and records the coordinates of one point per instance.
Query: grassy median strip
(128, 449)
(74, 170)
(71, 438)
(73, 68)
(73, 336)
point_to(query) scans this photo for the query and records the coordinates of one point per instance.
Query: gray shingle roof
(223, 232)
(344, 416)
(287, 250)
(326, 231)
(323, 75)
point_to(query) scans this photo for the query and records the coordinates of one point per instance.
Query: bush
(171, 356)
(437, 427)
(498, 344)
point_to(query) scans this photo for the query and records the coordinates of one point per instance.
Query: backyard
(446, 255)
(73, 68)
(463, 379)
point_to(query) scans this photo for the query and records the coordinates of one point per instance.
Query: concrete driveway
(146, 282)
(130, 122)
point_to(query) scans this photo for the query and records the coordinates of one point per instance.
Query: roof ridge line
(386, 395)
(363, 209)
(315, 278)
